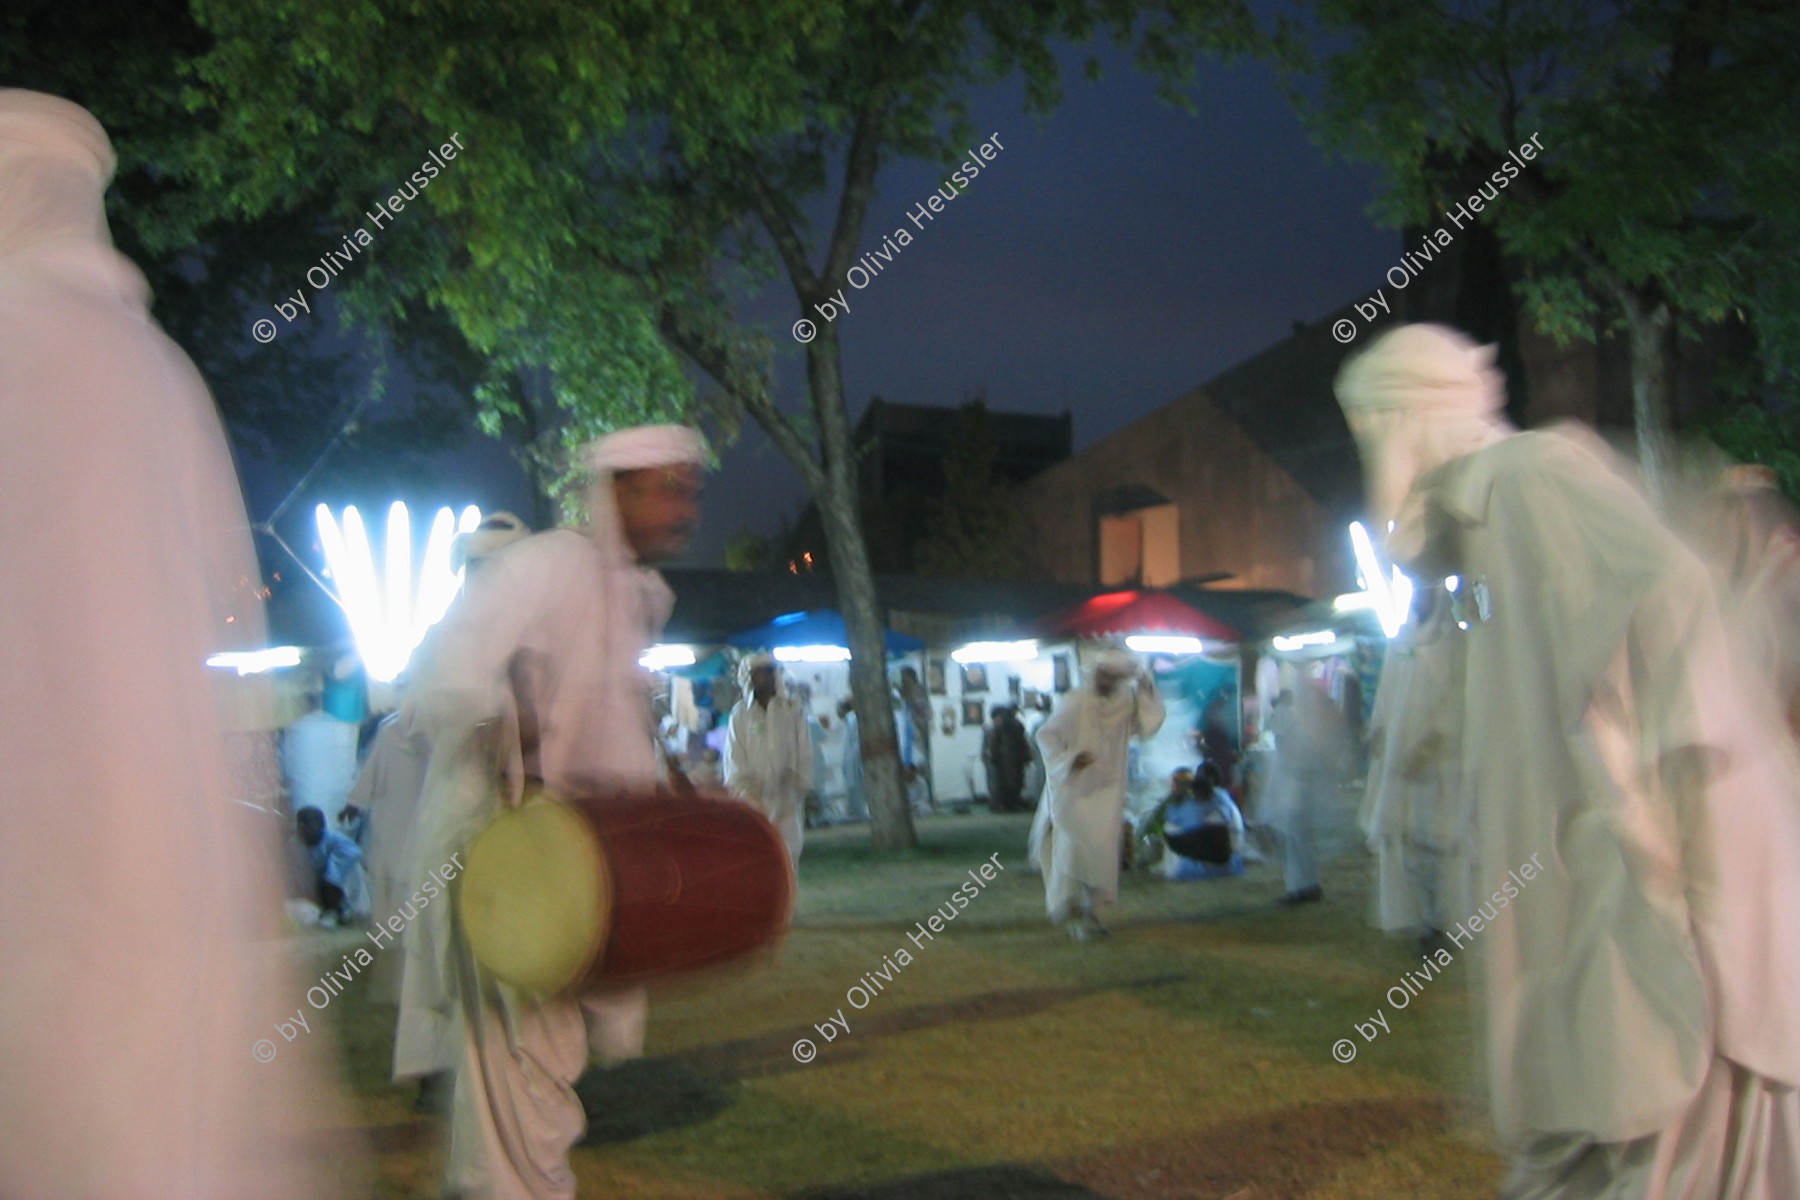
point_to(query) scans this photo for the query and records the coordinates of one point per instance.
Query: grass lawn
(1189, 1055)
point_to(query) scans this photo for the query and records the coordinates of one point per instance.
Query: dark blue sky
(1116, 254)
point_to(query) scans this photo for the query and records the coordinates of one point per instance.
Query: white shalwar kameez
(1415, 811)
(1642, 1036)
(769, 763)
(388, 791)
(141, 971)
(535, 674)
(1075, 838)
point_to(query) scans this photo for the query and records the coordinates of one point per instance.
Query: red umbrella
(1120, 614)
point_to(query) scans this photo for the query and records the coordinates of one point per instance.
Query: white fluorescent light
(1164, 643)
(1452, 583)
(1353, 602)
(663, 656)
(389, 617)
(1391, 589)
(1299, 641)
(811, 654)
(254, 662)
(986, 652)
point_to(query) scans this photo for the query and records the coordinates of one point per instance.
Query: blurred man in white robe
(768, 751)
(1642, 1037)
(142, 977)
(1311, 743)
(534, 676)
(1075, 839)
(1415, 815)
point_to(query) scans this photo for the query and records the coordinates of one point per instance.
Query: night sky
(1114, 255)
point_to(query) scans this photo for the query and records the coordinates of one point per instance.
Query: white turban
(1420, 396)
(55, 162)
(1116, 661)
(647, 446)
(750, 663)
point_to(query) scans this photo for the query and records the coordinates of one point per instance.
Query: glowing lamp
(388, 617)
(255, 662)
(1299, 641)
(1164, 643)
(987, 652)
(664, 656)
(1391, 590)
(811, 654)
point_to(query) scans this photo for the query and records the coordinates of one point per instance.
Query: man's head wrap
(750, 663)
(1418, 397)
(1116, 662)
(647, 446)
(55, 163)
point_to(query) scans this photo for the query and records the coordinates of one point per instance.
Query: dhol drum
(569, 897)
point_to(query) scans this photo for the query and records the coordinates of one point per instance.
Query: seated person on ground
(343, 888)
(1204, 832)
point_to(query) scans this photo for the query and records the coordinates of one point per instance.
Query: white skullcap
(1116, 662)
(1422, 367)
(34, 122)
(647, 446)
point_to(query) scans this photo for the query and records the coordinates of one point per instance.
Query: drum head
(534, 896)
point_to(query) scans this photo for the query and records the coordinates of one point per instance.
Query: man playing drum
(535, 677)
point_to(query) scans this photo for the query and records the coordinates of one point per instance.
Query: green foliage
(1753, 434)
(747, 551)
(1671, 174)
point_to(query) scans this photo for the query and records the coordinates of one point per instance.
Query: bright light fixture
(663, 656)
(986, 652)
(811, 654)
(1299, 641)
(1452, 583)
(1353, 602)
(389, 618)
(1164, 643)
(1390, 589)
(255, 662)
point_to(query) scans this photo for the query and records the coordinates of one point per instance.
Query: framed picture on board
(972, 714)
(1030, 698)
(1059, 665)
(1014, 688)
(948, 721)
(974, 677)
(934, 676)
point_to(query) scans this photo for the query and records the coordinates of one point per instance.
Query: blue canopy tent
(819, 627)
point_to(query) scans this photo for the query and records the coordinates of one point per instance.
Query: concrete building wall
(1237, 511)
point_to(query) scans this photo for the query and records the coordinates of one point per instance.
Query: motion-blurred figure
(139, 963)
(1752, 538)
(769, 754)
(1415, 814)
(1308, 762)
(856, 788)
(1005, 753)
(337, 866)
(1641, 1033)
(1075, 839)
(533, 675)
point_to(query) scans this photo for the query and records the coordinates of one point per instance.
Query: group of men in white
(1593, 716)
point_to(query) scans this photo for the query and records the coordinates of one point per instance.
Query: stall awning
(820, 627)
(1121, 614)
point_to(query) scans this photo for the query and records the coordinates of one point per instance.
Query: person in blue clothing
(337, 865)
(1204, 831)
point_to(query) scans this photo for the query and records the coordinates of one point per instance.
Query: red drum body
(578, 896)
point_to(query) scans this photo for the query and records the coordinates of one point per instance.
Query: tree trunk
(890, 817)
(1652, 371)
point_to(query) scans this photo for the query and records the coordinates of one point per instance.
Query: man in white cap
(141, 986)
(768, 751)
(389, 788)
(1637, 840)
(1075, 839)
(534, 676)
